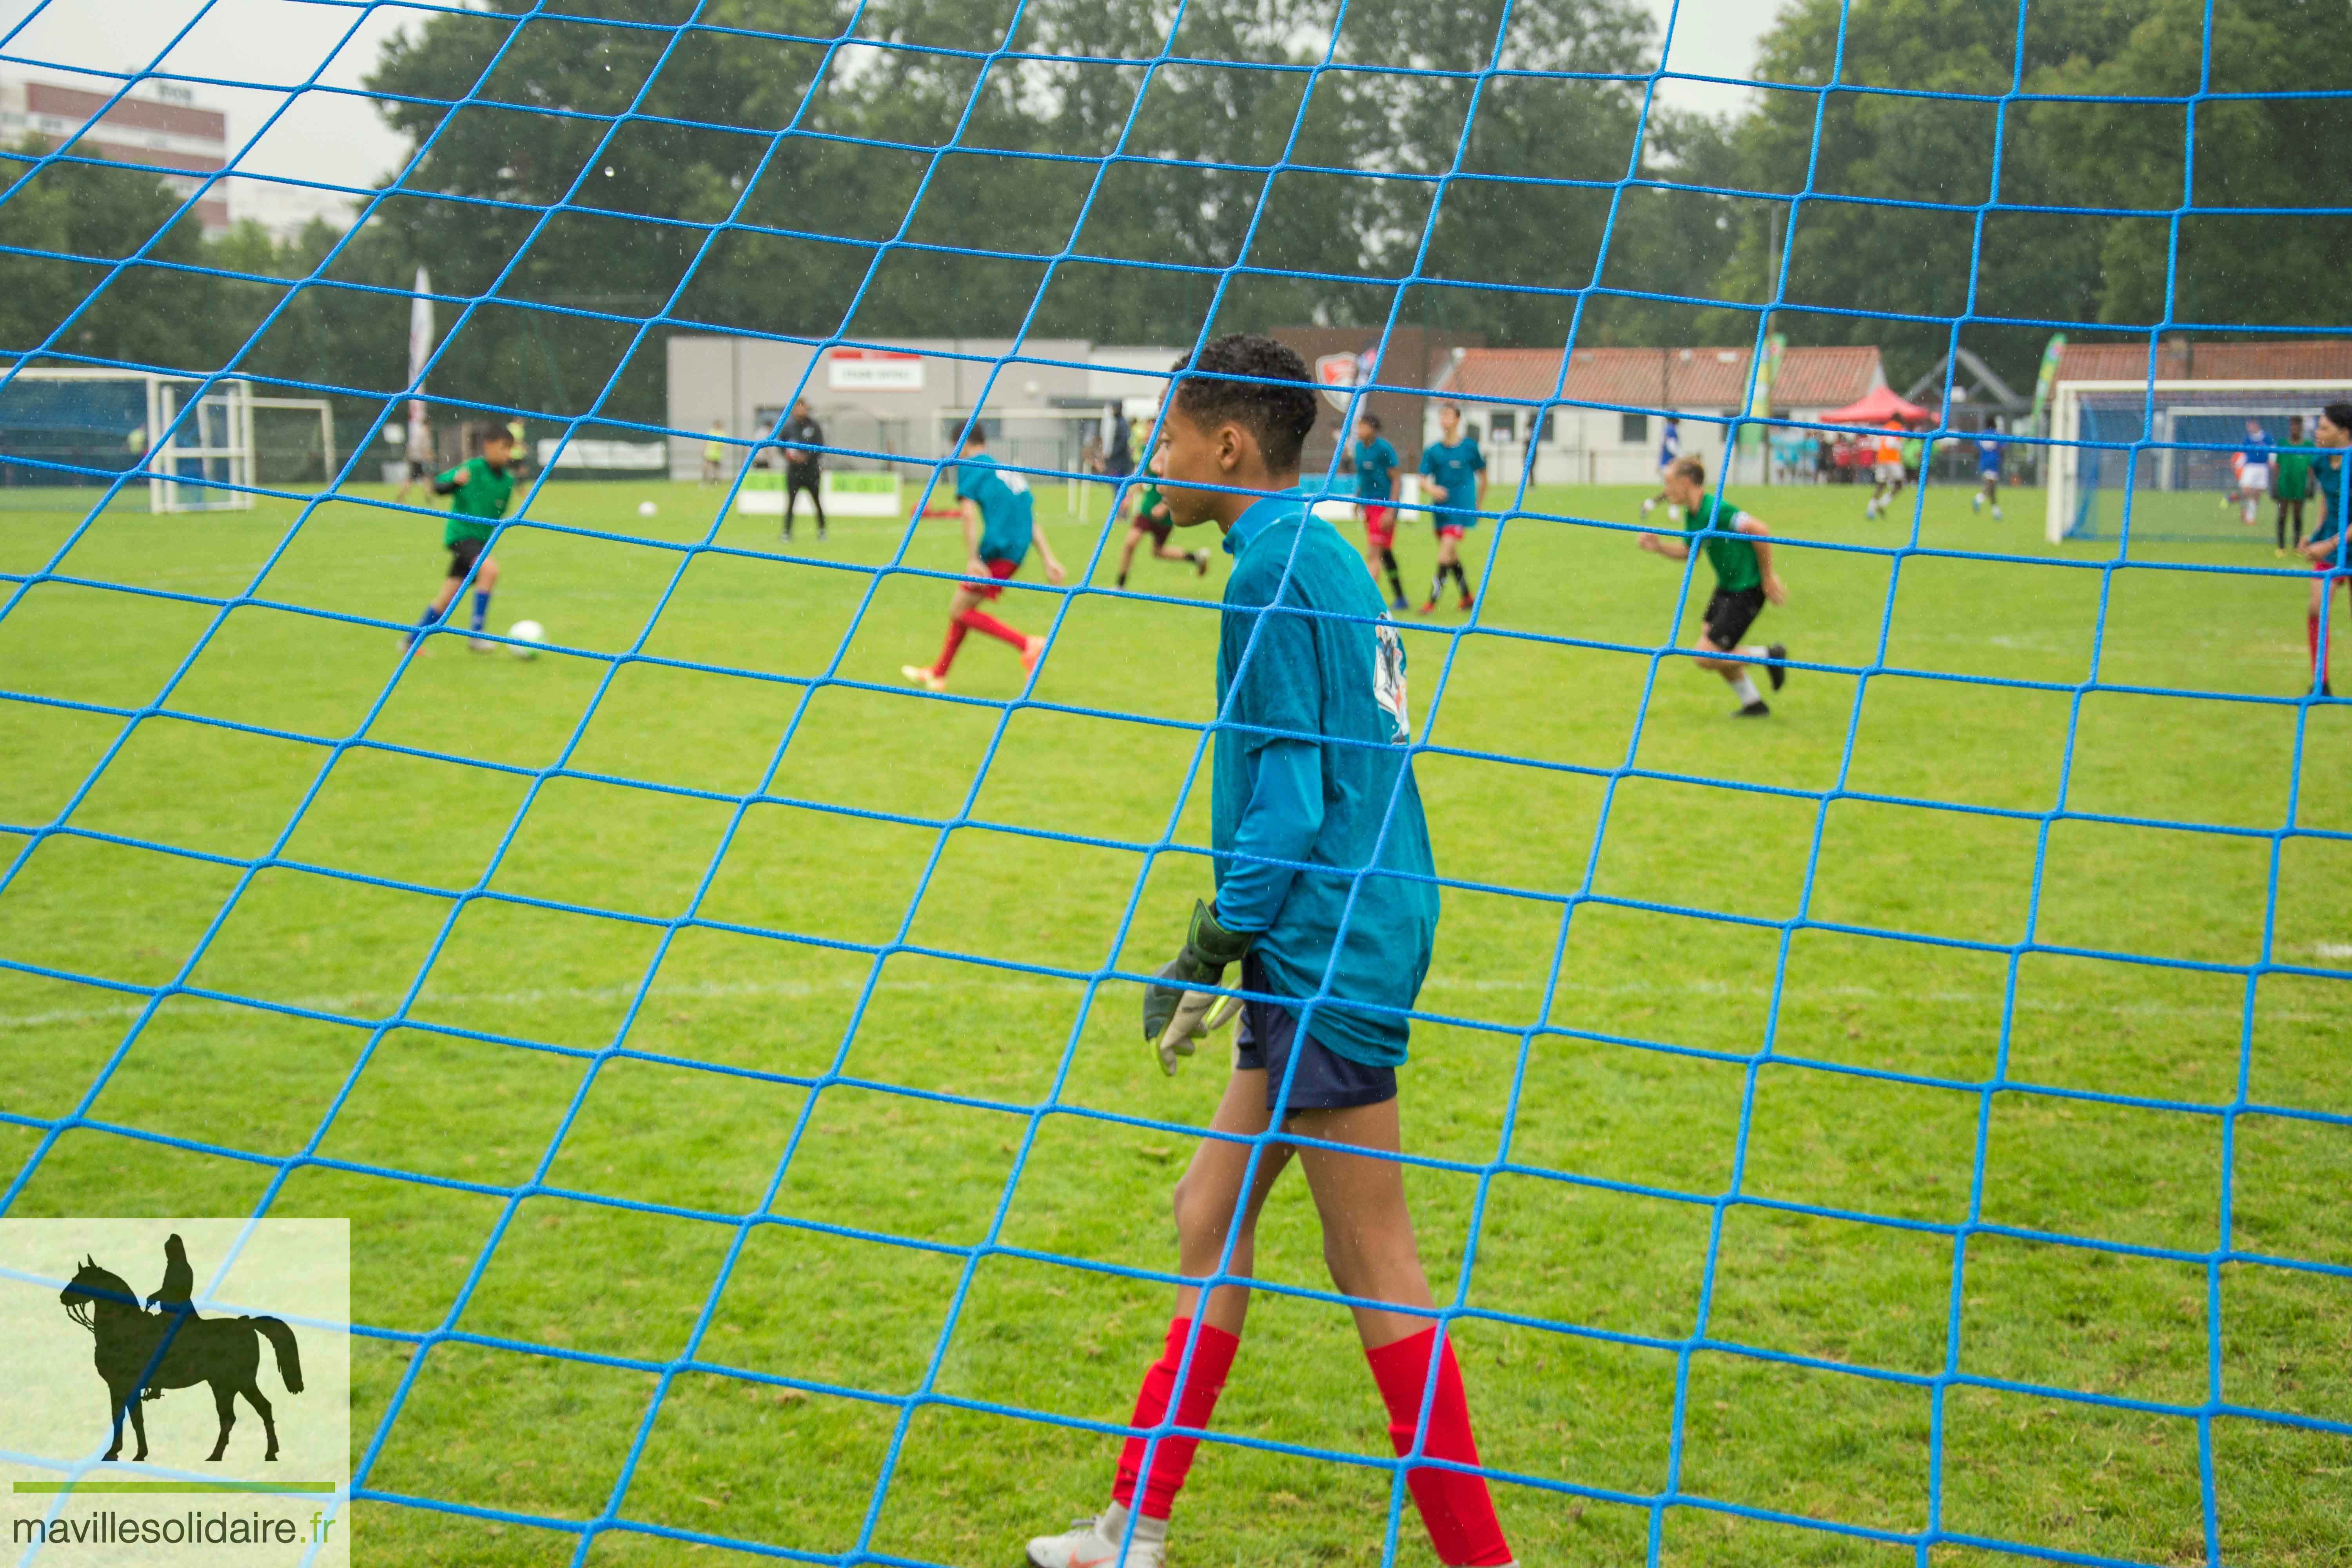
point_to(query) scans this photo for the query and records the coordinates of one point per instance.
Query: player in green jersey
(1152, 521)
(1743, 579)
(479, 490)
(2291, 482)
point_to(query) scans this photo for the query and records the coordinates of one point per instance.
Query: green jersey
(1148, 500)
(1731, 555)
(2295, 470)
(478, 495)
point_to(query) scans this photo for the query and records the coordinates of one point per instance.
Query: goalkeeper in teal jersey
(1326, 909)
(2323, 549)
(1743, 580)
(479, 489)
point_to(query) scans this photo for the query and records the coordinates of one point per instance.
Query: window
(1544, 430)
(1634, 428)
(1505, 422)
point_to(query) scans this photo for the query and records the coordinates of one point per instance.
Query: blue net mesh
(74, 434)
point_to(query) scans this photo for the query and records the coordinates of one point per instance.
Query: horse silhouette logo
(142, 1353)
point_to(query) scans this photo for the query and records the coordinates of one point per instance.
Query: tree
(84, 219)
(2091, 148)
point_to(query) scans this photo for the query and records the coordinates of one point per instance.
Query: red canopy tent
(1880, 406)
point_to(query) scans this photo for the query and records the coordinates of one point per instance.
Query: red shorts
(1380, 526)
(998, 571)
(1451, 531)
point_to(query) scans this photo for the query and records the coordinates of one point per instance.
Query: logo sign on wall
(873, 370)
(1338, 375)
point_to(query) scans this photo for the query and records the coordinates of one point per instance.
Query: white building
(1605, 417)
(910, 399)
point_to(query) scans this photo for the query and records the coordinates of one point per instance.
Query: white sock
(1752, 651)
(1744, 689)
(1111, 1525)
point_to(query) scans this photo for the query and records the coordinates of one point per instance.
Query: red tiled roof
(2326, 358)
(1666, 378)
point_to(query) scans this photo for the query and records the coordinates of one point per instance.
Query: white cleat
(1085, 1545)
(481, 645)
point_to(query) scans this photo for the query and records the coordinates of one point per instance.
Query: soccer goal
(293, 442)
(67, 433)
(2162, 453)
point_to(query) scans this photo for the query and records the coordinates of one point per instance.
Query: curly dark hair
(1279, 415)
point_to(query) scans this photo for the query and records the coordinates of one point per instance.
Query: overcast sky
(326, 136)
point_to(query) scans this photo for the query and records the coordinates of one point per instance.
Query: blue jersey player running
(1375, 461)
(1325, 890)
(1988, 471)
(1000, 525)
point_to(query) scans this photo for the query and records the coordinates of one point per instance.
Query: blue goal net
(1879, 1093)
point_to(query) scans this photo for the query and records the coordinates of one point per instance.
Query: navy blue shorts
(1326, 1081)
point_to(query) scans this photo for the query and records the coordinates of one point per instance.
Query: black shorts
(1729, 615)
(1326, 1081)
(417, 470)
(798, 476)
(464, 554)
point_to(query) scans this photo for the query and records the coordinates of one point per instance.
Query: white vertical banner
(420, 351)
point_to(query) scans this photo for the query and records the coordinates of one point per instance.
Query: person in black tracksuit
(801, 437)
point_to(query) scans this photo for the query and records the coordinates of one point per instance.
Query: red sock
(979, 620)
(1213, 1358)
(947, 649)
(1454, 1508)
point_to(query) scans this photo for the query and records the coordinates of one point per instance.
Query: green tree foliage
(2071, 142)
(946, 171)
(96, 235)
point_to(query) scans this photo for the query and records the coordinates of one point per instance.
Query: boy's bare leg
(1367, 1240)
(1210, 1192)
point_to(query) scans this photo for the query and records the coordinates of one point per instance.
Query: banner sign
(2046, 381)
(873, 370)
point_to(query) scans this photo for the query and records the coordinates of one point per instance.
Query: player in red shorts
(999, 525)
(1374, 461)
(1457, 484)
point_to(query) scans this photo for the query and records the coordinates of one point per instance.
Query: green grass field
(1663, 960)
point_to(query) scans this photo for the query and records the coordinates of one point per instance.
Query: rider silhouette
(179, 1284)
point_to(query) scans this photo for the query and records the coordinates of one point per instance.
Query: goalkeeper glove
(1175, 1015)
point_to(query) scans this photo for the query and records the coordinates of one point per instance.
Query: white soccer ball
(646, 508)
(524, 634)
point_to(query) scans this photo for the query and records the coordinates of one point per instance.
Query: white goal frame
(221, 434)
(2062, 491)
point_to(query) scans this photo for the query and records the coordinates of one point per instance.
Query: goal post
(2162, 449)
(67, 431)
